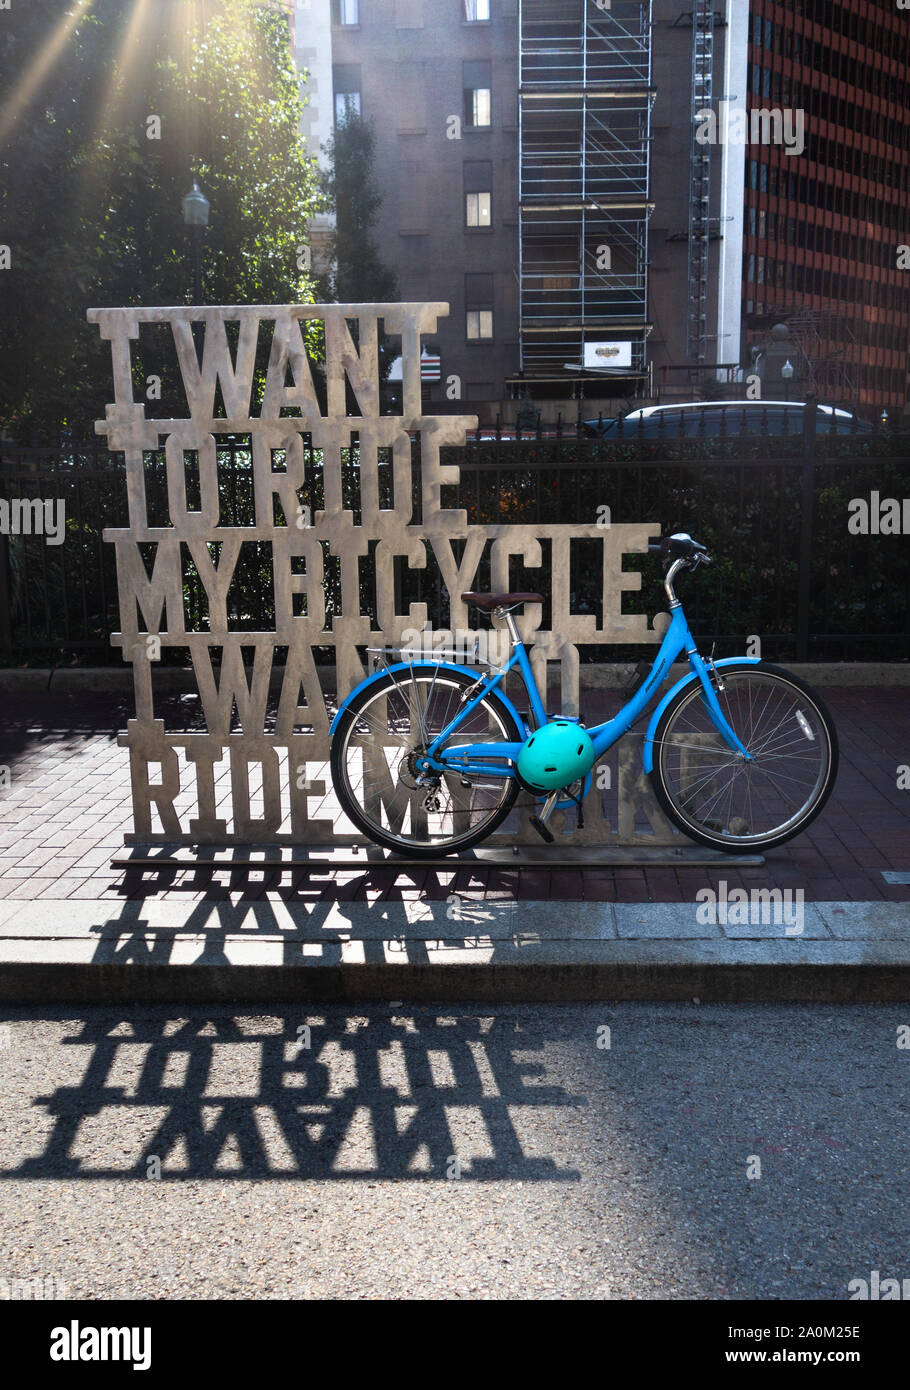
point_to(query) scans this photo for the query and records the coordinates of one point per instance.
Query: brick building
(543, 173)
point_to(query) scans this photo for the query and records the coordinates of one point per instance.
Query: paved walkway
(67, 808)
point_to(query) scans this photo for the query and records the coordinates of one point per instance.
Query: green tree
(90, 199)
(359, 275)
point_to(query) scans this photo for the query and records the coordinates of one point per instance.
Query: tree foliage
(359, 275)
(90, 200)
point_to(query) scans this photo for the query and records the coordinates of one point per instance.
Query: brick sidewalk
(68, 808)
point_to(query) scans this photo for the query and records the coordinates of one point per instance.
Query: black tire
(745, 843)
(412, 847)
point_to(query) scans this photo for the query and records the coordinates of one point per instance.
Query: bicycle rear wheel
(716, 797)
(373, 769)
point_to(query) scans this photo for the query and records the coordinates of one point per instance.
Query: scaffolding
(699, 183)
(585, 101)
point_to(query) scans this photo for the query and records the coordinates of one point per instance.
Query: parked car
(712, 418)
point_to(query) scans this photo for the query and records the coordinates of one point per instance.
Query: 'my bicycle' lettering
(368, 475)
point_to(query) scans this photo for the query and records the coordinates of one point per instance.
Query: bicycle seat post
(508, 616)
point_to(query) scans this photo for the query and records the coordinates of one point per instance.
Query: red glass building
(824, 231)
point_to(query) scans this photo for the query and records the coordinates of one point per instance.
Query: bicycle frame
(471, 759)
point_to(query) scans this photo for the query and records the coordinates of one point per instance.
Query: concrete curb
(146, 951)
(655, 983)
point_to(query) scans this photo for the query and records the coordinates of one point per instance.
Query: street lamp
(787, 373)
(196, 216)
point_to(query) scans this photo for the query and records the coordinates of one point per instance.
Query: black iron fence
(810, 528)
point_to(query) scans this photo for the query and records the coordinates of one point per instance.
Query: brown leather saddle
(487, 602)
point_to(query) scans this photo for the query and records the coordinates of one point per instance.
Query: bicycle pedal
(542, 830)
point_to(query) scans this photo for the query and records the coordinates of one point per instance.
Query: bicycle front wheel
(721, 800)
(373, 763)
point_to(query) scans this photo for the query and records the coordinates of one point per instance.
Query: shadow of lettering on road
(211, 933)
(381, 1093)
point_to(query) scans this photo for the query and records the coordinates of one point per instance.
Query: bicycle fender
(445, 666)
(648, 751)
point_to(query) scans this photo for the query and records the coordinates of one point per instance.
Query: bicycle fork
(712, 683)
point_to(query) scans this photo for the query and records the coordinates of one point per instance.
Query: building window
(476, 11)
(345, 12)
(346, 79)
(477, 84)
(347, 104)
(477, 107)
(479, 323)
(478, 302)
(478, 209)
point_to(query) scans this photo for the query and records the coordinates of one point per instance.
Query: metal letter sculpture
(288, 751)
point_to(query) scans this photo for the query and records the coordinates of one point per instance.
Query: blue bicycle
(428, 757)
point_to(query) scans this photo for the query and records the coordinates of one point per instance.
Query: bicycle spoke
(730, 798)
(379, 773)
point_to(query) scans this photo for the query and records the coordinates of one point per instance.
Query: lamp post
(196, 216)
(787, 374)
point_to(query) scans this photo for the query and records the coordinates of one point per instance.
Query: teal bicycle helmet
(555, 756)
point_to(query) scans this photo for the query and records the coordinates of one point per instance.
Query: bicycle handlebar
(683, 548)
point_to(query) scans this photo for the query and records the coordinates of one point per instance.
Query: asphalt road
(455, 1153)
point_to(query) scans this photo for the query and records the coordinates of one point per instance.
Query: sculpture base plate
(326, 859)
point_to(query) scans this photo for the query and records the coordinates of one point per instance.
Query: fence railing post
(806, 529)
(6, 617)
